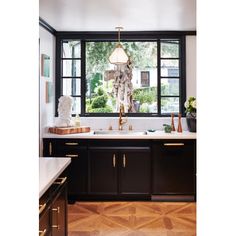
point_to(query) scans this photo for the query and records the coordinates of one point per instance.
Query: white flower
(194, 104)
(186, 104)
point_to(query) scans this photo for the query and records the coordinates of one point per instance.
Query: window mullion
(158, 78)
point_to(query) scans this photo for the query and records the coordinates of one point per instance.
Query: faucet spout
(121, 113)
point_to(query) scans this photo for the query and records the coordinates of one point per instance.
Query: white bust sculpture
(64, 112)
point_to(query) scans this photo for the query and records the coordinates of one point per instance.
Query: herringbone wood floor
(132, 219)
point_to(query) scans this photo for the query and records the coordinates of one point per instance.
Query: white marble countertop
(49, 170)
(150, 135)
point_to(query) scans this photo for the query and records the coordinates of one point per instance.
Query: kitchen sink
(119, 132)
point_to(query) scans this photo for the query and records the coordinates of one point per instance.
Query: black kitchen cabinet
(174, 169)
(53, 210)
(121, 171)
(77, 172)
(135, 174)
(103, 171)
(59, 209)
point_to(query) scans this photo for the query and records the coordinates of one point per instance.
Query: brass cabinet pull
(173, 144)
(72, 144)
(50, 149)
(114, 160)
(41, 208)
(42, 232)
(57, 210)
(124, 160)
(60, 180)
(72, 155)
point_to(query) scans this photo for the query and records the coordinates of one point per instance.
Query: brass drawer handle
(114, 160)
(71, 144)
(50, 149)
(124, 160)
(173, 144)
(42, 233)
(60, 181)
(72, 155)
(41, 208)
(57, 210)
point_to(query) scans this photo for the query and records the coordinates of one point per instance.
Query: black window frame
(125, 36)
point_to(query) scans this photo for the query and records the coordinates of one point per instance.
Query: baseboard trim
(173, 198)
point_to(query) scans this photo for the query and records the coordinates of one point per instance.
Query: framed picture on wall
(45, 65)
(48, 92)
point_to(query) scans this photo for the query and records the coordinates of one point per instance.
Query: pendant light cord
(119, 28)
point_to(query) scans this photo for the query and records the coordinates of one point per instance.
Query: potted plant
(191, 113)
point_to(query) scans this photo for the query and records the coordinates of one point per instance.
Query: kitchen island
(53, 196)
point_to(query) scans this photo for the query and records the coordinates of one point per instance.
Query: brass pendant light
(118, 56)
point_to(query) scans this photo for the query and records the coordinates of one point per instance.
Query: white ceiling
(105, 15)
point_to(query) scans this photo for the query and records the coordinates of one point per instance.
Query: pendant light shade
(118, 56)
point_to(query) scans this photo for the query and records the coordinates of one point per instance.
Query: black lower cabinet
(53, 210)
(120, 172)
(77, 171)
(103, 172)
(59, 211)
(135, 174)
(174, 171)
(103, 169)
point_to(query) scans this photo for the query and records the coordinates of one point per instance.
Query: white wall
(191, 66)
(47, 46)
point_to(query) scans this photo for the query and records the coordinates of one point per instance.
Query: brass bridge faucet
(121, 113)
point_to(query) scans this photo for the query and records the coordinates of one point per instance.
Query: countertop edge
(155, 135)
(58, 169)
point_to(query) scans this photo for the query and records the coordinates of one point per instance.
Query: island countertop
(50, 169)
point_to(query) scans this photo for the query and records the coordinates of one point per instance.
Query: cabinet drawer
(62, 147)
(44, 221)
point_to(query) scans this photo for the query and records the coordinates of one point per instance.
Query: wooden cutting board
(69, 130)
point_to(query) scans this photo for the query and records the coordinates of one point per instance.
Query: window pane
(71, 68)
(71, 49)
(103, 83)
(169, 49)
(170, 87)
(71, 87)
(76, 108)
(170, 68)
(169, 105)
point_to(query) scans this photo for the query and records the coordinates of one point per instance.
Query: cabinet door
(174, 167)
(103, 171)
(59, 212)
(77, 171)
(135, 171)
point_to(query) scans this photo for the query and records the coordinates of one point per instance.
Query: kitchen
(125, 134)
(118, 145)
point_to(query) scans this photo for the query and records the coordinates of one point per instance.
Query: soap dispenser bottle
(77, 120)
